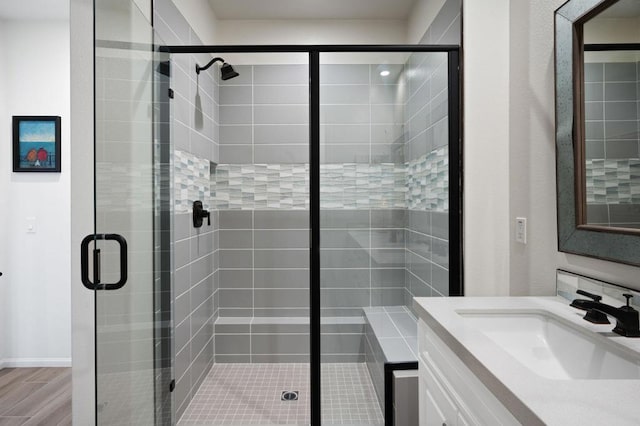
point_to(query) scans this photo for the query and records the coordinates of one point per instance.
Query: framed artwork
(36, 143)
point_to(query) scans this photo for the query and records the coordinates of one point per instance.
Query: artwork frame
(37, 143)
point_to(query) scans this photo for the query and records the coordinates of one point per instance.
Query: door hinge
(172, 385)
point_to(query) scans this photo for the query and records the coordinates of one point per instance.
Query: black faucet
(627, 323)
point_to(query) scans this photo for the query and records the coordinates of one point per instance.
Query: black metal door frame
(456, 287)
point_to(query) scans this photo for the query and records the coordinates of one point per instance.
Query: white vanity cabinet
(450, 394)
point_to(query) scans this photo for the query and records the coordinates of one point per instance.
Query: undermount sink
(553, 347)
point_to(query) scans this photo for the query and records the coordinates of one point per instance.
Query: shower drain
(289, 396)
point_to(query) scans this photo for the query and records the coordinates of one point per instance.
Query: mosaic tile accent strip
(422, 184)
(428, 181)
(261, 187)
(121, 187)
(191, 181)
(249, 394)
(362, 186)
(613, 181)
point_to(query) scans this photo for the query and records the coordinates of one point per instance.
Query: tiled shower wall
(362, 216)
(374, 250)
(612, 133)
(427, 137)
(195, 136)
(427, 134)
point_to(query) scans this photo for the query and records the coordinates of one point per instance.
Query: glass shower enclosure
(331, 175)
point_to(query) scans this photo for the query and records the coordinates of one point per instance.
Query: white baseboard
(35, 362)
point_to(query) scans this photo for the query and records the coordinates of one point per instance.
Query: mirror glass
(611, 117)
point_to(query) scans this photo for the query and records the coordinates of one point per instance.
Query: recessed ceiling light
(384, 73)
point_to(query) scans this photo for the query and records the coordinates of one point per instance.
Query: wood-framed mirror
(597, 58)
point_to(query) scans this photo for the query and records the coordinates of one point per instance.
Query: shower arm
(206, 67)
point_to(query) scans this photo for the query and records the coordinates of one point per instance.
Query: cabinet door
(433, 415)
(464, 421)
(436, 408)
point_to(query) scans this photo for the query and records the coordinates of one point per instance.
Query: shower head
(226, 70)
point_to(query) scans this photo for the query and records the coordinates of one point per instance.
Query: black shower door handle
(84, 262)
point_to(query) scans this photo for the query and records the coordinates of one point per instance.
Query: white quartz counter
(531, 398)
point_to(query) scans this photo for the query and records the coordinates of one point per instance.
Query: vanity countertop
(531, 398)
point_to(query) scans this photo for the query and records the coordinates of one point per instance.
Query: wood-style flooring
(35, 396)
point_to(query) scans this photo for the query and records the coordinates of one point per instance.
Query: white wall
(201, 18)
(486, 147)
(612, 30)
(310, 31)
(36, 266)
(4, 226)
(494, 262)
(420, 18)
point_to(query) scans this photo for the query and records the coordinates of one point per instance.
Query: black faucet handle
(594, 297)
(628, 296)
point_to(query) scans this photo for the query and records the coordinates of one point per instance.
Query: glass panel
(384, 218)
(255, 183)
(133, 323)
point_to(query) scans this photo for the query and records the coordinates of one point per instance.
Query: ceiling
(311, 9)
(34, 9)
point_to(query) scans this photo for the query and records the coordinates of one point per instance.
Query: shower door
(127, 259)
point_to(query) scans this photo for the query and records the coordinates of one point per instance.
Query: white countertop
(554, 402)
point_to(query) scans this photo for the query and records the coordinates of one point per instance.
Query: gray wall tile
(351, 219)
(281, 298)
(344, 133)
(236, 95)
(345, 238)
(230, 135)
(281, 74)
(236, 258)
(282, 154)
(288, 219)
(280, 114)
(620, 71)
(236, 115)
(233, 219)
(232, 239)
(344, 74)
(344, 114)
(277, 134)
(341, 94)
(344, 298)
(236, 298)
(278, 259)
(344, 258)
(282, 239)
(281, 94)
(236, 278)
(236, 154)
(270, 344)
(342, 278)
(232, 344)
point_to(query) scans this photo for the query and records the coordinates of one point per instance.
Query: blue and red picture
(36, 144)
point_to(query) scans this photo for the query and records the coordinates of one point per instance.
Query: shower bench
(391, 346)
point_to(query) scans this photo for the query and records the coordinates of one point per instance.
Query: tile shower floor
(249, 394)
